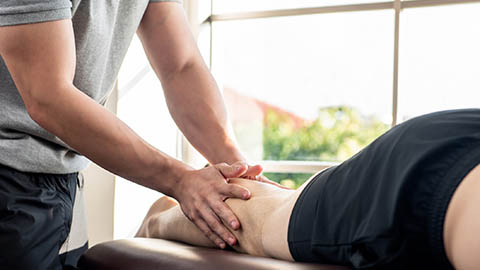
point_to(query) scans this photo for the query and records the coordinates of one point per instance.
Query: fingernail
(233, 224)
(246, 195)
(222, 245)
(231, 241)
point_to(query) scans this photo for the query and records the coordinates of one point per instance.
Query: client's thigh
(462, 223)
(275, 227)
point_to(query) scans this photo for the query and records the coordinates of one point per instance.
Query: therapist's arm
(192, 96)
(41, 59)
(191, 92)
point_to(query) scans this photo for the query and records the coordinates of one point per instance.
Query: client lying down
(409, 200)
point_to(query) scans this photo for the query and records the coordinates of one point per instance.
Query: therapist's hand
(263, 179)
(254, 173)
(201, 194)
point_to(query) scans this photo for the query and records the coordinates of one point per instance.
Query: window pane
(291, 180)
(203, 42)
(224, 6)
(439, 59)
(313, 87)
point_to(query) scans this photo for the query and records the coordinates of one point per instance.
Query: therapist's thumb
(232, 171)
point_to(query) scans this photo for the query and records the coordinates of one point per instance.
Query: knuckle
(196, 206)
(218, 208)
(210, 235)
(222, 187)
(194, 217)
(203, 227)
(206, 231)
(217, 227)
(234, 190)
(213, 186)
(200, 203)
(216, 205)
(214, 191)
(227, 215)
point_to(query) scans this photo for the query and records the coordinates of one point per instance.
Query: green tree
(337, 134)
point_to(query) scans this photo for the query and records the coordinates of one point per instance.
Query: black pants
(385, 207)
(36, 212)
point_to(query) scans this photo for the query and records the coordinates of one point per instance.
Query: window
(291, 94)
(308, 83)
(225, 6)
(439, 59)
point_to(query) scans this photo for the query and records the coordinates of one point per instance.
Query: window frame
(198, 21)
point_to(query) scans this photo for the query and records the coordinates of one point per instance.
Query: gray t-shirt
(103, 31)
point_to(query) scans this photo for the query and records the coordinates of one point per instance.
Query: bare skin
(264, 218)
(266, 215)
(462, 223)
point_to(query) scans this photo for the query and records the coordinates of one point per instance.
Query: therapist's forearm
(198, 109)
(191, 92)
(99, 135)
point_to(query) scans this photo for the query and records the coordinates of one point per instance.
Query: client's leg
(264, 218)
(462, 223)
(157, 208)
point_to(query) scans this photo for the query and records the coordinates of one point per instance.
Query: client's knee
(254, 213)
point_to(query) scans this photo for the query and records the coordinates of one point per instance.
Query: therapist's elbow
(38, 112)
(178, 68)
(40, 103)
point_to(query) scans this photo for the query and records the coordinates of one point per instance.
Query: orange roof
(245, 108)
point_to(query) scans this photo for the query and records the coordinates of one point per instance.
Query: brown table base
(149, 254)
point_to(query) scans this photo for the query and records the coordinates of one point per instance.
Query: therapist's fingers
(264, 179)
(200, 192)
(231, 171)
(216, 225)
(253, 171)
(196, 214)
(223, 211)
(207, 231)
(234, 191)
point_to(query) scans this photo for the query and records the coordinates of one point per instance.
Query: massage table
(158, 254)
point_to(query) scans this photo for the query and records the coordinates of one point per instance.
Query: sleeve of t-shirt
(13, 12)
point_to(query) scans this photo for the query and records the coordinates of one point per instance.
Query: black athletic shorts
(385, 207)
(42, 224)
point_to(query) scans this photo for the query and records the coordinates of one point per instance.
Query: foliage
(336, 134)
